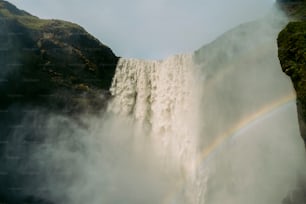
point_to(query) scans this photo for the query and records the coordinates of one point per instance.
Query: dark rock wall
(46, 66)
(292, 55)
(41, 59)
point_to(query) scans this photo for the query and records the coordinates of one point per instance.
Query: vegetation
(292, 55)
(10, 12)
(41, 58)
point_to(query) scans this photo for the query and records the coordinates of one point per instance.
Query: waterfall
(223, 118)
(162, 96)
(218, 125)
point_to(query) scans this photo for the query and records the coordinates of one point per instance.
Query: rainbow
(246, 122)
(230, 132)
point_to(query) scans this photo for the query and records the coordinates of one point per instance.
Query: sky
(151, 29)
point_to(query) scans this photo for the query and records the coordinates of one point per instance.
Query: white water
(163, 97)
(222, 121)
(215, 126)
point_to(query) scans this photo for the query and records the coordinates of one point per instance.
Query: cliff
(49, 65)
(50, 62)
(292, 55)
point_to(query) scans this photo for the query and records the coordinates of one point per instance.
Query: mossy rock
(45, 57)
(292, 55)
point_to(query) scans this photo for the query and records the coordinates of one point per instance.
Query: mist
(96, 164)
(218, 125)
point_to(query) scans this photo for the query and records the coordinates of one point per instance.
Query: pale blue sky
(151, 28)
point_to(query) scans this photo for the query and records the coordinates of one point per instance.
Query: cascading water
(164, 97)
(215, 126)
(223, 118)
(160, 95)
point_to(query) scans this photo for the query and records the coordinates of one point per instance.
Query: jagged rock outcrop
(292, 55)
(53, 62)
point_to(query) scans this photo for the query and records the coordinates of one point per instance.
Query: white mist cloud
(151, 29)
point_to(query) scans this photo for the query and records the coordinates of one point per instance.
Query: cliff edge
(292, 55)
(50, 62)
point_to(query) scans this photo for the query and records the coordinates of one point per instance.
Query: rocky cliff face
(45, 65)
(42, 59)
(292, 55)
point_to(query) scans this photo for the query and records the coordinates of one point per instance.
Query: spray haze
(215, 126)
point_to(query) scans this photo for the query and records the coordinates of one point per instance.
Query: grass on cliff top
(10, 12)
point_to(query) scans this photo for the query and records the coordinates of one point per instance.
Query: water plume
(215, 126)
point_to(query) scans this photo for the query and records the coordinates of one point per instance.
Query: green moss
(10, 12)
(54, 57)
(292, 50)
(292, 55)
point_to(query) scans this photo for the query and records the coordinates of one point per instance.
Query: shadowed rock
(42, 59)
